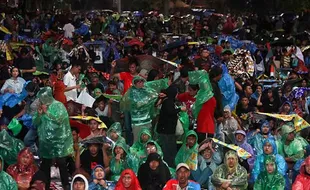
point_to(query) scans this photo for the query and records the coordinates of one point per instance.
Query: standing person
(68, 29)
(26, 65)
(54, 132)
(70, 82)
(166, 125)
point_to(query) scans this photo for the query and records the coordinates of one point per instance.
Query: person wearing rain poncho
(79, 182)
(292, 145)
(241, 141)
(115, 132)
(230, 125)
(98, 181)
(6, 181)
(302, 180)
(257, 138)
(121, 160)
(188, 153)
(138, 148)
(270, 178)
(54, 132)
(230, 174)
(139, 100)
(23, 171)
(269, 148)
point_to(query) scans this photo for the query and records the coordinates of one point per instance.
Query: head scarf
(135, 185)
(115, 127)
(273, 144)
(93, 172)
(266, 123)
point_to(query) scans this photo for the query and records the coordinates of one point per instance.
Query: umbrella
(98, 140)
(282, 43)
(147, 62)
(174, 45)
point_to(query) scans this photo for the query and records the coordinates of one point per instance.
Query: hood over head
(121, 144)
(270, 159)
(244, 139)
(93, 172)
(79, 176)
(45, 96)
(302, 168)
(273, 144)
(135, 185)
(147, 132)
(116, 127)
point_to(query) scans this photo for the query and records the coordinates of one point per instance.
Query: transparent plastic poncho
(205, 92)
(9, 147)
(6, 181)
(53, 127)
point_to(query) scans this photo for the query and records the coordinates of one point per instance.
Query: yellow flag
(87, 118)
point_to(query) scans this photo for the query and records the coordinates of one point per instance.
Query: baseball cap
(182, 165)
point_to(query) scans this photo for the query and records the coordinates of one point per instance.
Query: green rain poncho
(117, 128)
(53, 127)
(9, 147)
(205, 92)
(273, 181)
(6, 181)
(138, 148)
(157, 85)
(188, 155)
(128, 162)
(237, 175)
(295, 150)
(140, 102)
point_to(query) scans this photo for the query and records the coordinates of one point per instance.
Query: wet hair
(184, 72)
(78, 179)
(152, 75)
(215, 71)
(133, 61)
(75, 129)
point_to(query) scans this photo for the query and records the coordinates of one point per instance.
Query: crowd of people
(134, 101)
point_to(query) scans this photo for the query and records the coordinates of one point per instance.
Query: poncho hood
(273, 144)
(93, 172)
(45, 96)
(81, 176)
(115, 127)
(121, 144)
(146, 132)
(302, 168)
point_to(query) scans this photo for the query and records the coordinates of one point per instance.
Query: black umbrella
(282, 43)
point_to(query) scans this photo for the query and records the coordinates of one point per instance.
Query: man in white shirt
(68, 29)
(70, 82)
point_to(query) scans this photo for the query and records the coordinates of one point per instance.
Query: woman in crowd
(128, 181)
(15, 84)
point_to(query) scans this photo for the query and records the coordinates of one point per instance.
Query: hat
(182, 165)
(240, 132)
(227, 108)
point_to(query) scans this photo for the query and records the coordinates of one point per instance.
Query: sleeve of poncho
(196, 77)
(133, 163)
(216, 178)
(241, 179)
(125, 102)
(258, 183)
(116, 168)
(157, 85)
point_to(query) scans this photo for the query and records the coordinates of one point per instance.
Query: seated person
(79, 182)
(128, 180)
(103, 107)
(153, 174)
(258, 137)
(15, 84)
(139, 146)
(241, 141)
(6, 181)
(112, 88)
(293, 146)
(243, 111)
(182, 179)
(302, 180)
(94, 155)
(230, 175)
(115, 132)
(24, 169)
(208, 160)
(98, 181)
(188, 153)
(270, 178)
(230, 125)
(121, 160)
(95, 130)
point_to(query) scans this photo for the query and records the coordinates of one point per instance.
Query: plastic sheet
(228, 89)
(140, 102)
(6, 181)
(15, 126)
(184, 118)
(53, 127)
(9, 147)
(11, 100)
(157, 85)
(205, 92)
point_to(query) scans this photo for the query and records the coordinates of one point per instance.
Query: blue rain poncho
(228, 89)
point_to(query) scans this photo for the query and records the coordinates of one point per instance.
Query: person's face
(239, 137)
(15, 73)
(268, 149)
(93, 125)
(226, 114)
(265, 129)
(93, 149)
(75, 136)
(132, 68)
(259, 89)
(270, 167)
(286, 108)
(192, 92)
(280, 93)
(127, 180)
(78, 185)
(112, 87)
(294, 104)
(101, 105)
(114, 135)
(231, 162)
(99, 173)
(245, 101)
(38, 185)
(190, 141)
(145, 138)
(205, 54)
(291, 136)
(304, 83)
(182, 175)
(288, 88)
(25, 159)
(269, 94)
(95, 81)
(151, 149)
(307, 167)
(248, 90)
(119, 150)
(154, 165)
(227, 45)
(139, 84)
(77, 70)
(207, 154)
